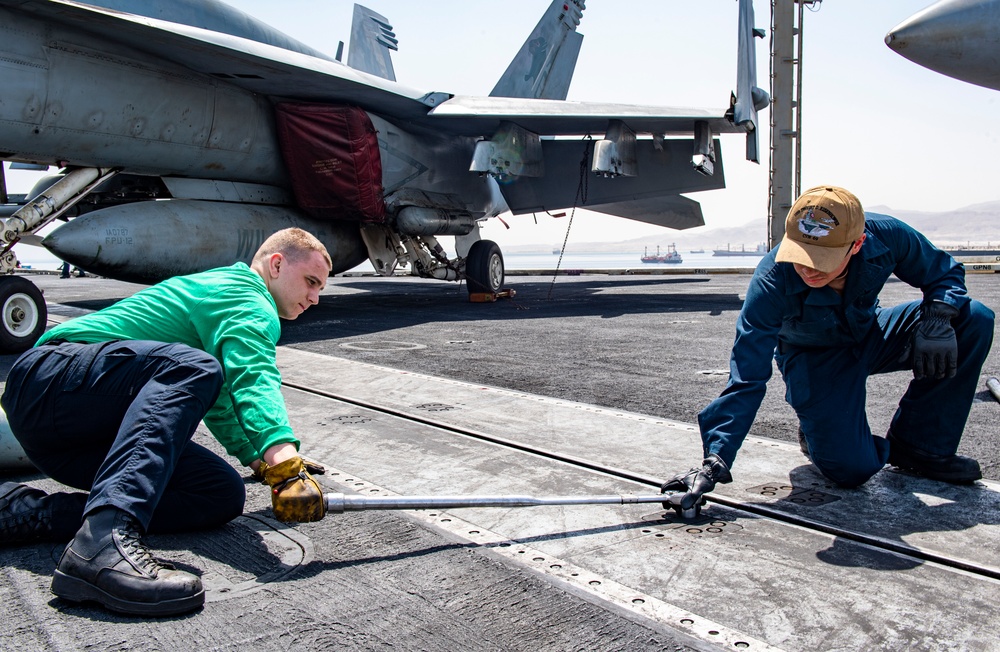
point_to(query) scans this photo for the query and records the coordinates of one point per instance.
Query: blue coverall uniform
(109, 401)
(826, 344)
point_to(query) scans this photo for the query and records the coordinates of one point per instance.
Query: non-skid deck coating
(777, 584)
(552, 578)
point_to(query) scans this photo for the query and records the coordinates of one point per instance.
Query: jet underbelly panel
(663, 171)
(23, 70)
(85, 101)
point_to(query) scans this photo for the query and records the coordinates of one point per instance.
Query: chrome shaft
(993, 385)
(339, 503)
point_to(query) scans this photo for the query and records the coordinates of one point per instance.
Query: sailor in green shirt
(108, 402)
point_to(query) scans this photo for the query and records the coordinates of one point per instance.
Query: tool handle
(338, 503)
(994, 386)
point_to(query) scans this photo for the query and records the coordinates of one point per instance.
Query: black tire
(484, 267)
(22, 312)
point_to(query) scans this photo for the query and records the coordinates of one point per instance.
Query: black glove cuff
(716, 469)
(939, 311)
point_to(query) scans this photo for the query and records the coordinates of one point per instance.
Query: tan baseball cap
(821, 226)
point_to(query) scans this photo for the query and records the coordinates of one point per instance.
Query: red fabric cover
(332, 157)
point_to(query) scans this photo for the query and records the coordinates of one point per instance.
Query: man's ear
(274, 264)
(857, 243)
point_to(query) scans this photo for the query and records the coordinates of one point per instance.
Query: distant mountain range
(976, 226)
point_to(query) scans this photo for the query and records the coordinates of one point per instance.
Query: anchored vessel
(742, 251)
(670, 257)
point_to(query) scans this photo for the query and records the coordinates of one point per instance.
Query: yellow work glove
(258, 475)
(312, 467)
(295, 495)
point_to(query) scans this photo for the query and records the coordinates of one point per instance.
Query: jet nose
(924, 33)
(957, 38)
(895, 39)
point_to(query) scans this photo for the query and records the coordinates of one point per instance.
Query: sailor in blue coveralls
(812, 305)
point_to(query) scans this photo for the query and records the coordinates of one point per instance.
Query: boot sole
(930, 475)
(77, 590)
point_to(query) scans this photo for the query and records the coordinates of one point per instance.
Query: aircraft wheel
(23, 314)
(484, 267)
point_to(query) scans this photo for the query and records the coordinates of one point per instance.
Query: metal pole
(798, 105)
(339, 503)
(783, 130)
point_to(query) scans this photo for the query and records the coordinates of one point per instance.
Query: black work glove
(935, 349)
(697, 482)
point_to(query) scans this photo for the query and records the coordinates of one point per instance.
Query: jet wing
(482, 115)
(277, 72)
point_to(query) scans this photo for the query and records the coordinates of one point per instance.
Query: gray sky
(894, 133)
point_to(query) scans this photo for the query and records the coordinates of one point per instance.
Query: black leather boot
(956, 469)
(108, 563)
(28, 514)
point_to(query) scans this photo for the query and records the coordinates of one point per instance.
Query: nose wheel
(23, 314)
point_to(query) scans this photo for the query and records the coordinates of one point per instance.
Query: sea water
(571, 260)
(631, 260)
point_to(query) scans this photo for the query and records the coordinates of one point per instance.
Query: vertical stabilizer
(543, 67)
(371, 39)
(749, 97)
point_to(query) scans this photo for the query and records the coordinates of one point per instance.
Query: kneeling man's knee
(846, 476)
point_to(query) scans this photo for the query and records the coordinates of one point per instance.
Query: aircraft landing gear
(484, 270)
(23, 314)
(480, 263)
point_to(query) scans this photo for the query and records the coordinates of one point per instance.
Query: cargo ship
(670, 257)
(742, 251)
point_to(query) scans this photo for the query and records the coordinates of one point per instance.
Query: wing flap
(673, 212)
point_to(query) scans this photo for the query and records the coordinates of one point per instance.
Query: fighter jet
(957, 38)
(187, 131)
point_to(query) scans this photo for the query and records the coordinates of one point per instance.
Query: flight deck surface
(402, 390)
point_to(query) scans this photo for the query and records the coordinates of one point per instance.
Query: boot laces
(19, 519)
(132, 545)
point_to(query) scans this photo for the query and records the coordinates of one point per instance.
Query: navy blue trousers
(826, 387)
(116, 419)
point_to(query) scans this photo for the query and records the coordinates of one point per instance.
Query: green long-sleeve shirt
(229, 314)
